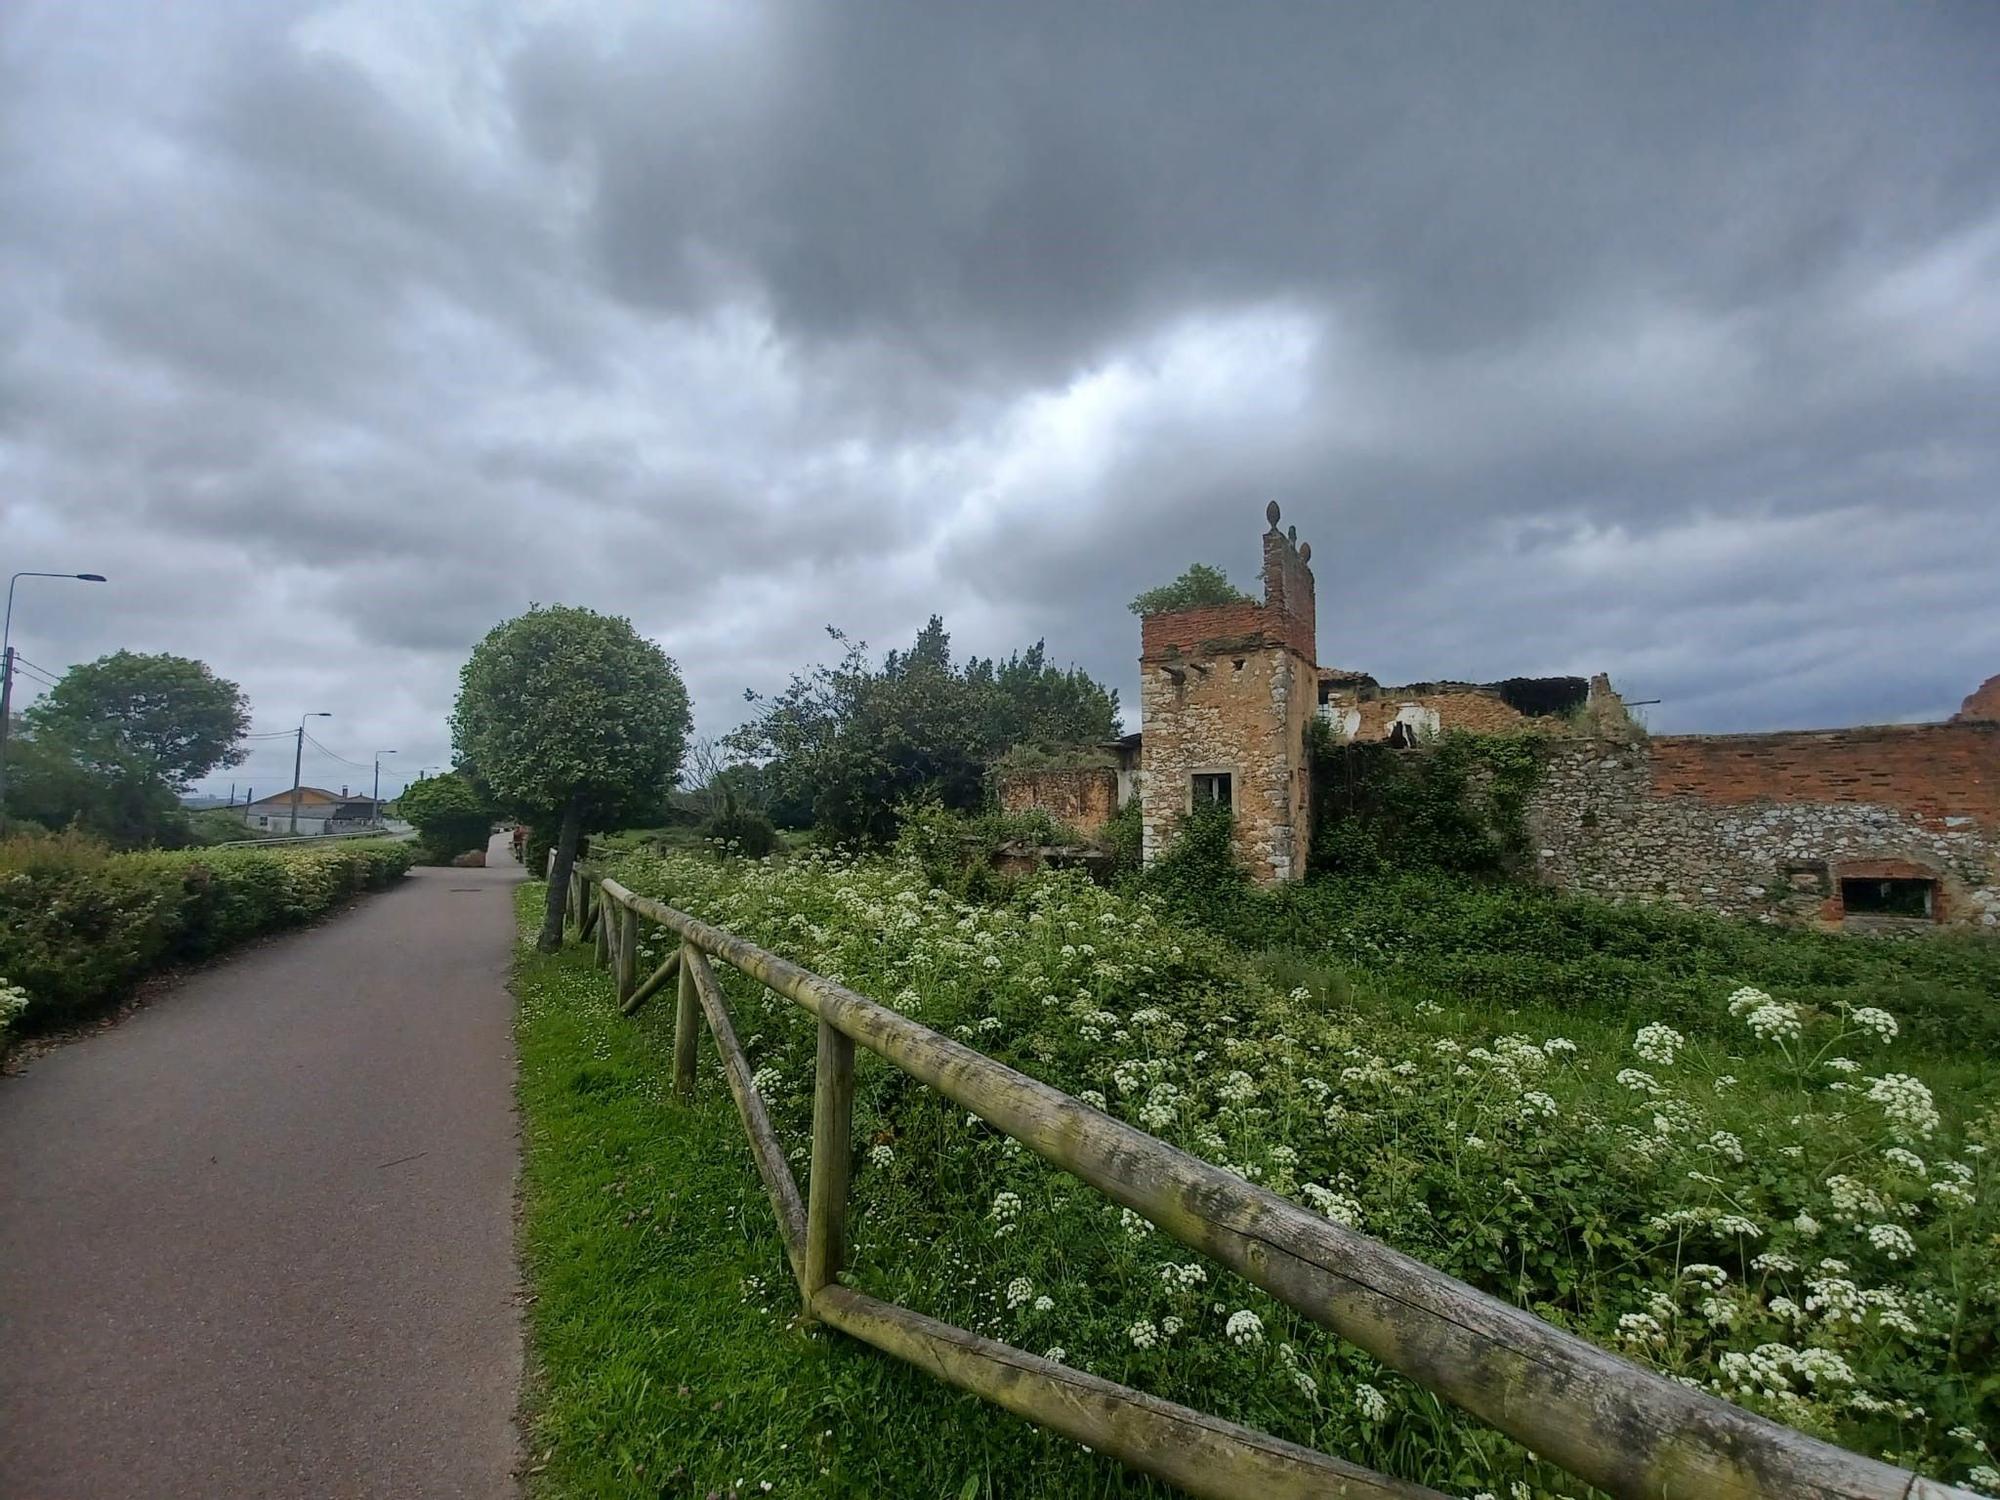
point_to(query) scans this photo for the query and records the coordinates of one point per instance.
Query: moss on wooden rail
(1605, 1419)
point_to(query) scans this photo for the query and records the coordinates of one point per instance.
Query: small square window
(1889, 898)
(1211, 789)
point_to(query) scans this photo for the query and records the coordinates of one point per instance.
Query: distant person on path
(520, 843)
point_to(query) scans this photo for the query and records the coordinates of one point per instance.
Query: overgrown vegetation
(1199, 585)
(852, 741)
(666, 1354)
(574, 721)
(108, 749)
(79, 924)
(1455, 805)
(1791, 1203)
(449, 814)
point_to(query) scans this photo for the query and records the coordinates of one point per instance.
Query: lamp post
(7, 671)
(376, 800)
(298, 762)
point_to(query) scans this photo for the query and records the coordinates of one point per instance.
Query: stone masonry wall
(1766, 826)
(1084, 797)
(1244, 714)
(1233, 687)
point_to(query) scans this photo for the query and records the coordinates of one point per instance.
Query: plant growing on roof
(1198, 586)
(573, 716)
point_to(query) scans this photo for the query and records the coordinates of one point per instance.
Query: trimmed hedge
(80, 926)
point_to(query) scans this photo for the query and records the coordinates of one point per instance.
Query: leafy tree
(448, 813)
(167, 711)
(571, 716)
(1198, 586)
(116, 796)
(852, 740)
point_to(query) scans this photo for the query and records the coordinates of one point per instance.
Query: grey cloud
(1659, 339)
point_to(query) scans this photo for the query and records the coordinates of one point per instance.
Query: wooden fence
(1606, 1420)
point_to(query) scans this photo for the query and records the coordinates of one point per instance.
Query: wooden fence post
(603, 926)
(687, 1027)
(826, 1192)
(627, 968)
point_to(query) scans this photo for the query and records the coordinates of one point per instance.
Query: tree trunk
(553, 913)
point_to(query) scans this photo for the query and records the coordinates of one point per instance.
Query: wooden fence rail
(1606, 1420)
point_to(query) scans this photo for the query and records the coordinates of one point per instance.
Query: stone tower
(1226, 693)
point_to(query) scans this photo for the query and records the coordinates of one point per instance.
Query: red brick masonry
(1929, 771)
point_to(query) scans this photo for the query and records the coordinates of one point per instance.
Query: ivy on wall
(1458, 803)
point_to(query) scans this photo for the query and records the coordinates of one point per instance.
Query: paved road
(258, 1239)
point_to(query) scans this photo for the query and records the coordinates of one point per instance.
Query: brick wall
(1927, 771)
(1084, 797)
(1474, 712)
(1984, 704)
(1767, 825)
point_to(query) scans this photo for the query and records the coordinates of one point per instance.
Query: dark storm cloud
(1664, 340)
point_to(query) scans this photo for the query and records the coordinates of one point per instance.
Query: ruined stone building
(1894, 827)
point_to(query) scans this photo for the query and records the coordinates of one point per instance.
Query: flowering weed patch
(79, 926)
(1787, 1204)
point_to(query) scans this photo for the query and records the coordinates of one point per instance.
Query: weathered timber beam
(625, 954)
(832, 1159)
(687, 1025)
(764, 1147)
(1605, 1419)
(655, 982)
(1202, 1454)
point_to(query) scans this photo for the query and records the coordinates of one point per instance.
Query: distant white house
(320, 812)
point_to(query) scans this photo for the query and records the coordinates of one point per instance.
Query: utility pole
(298, 762)
(7, 672)
(376, 800)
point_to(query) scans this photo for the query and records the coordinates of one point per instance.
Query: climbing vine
(1458, 804)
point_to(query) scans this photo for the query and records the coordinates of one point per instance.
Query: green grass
(657, 1367)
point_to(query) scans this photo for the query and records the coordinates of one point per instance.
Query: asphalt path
(257, 1239)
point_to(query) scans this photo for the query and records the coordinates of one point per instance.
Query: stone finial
(1271, 514)
(1292, 535)
(1305, 551)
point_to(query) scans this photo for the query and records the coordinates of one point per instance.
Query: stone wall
(1084, 797)
(1244, 714)
(1768, 825)
(1232, 688)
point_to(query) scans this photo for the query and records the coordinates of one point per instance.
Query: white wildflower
(1880, 1022)
(1892, 1240)
(1370, 1403)
(1658, 1043)
(1244, 1328)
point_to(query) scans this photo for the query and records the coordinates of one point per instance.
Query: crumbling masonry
(1893, 828)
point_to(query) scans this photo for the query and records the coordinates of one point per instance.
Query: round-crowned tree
(572, 717)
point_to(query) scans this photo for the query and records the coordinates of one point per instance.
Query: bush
(80, 925)
(741, 831)
(449, 815)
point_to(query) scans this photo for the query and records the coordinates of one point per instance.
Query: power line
(359, 765)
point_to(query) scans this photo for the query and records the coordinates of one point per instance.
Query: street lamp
(377, 798)
(7, 670)
(298, 761)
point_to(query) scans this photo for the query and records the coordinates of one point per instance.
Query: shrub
(449, 815)
(79, 926)
(739, 830)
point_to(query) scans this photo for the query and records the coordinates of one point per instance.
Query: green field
(1790, 1204)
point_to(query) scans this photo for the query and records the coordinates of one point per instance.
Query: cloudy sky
(1663, 341)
